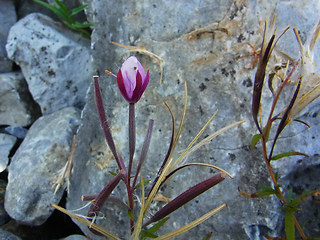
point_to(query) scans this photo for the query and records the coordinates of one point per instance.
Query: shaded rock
(54, 60)
(16, 105)
(16, 131)
(4, 217)
(6, 143)
(203, 51)
(26, 7)
(4, 235)
(8, 17)
(75, 237)
(33, 168)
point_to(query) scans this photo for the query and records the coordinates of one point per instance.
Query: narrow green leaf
(158, 225)
(58, 11)
(112, 173)
(139, 184)
(63, 7)
(303, 122)
(76, 10)
(150, 233)
(289, 225)
(255, 139)
(263, 192)
(81, 25)
(302, 198)
(145, 235)
(130, 215)
(54, 9)
(287, 154)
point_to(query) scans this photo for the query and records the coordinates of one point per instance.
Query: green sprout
(67, 17)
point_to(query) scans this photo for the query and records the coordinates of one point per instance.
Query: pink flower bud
(132, 81)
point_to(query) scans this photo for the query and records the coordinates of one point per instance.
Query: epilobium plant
(302, 74)
(132, 82)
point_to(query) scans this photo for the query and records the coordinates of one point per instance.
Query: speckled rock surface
(6, 143)
(16, 105)
(49, 56)
(33, 168)
(8, 17)
(200, 43)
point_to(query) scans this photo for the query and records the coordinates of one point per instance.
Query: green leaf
(255, 139)
(76, 10)
(145, 235)
(158, 225)
(58, 11)
(54, 9)
(303, 122)
(112, 173)
(289, 224)
(287, 154)
(81, 25)
(139, 184)
(302, 198)
(150, 233)
(262, 192)
(130, 215)
(63, 7)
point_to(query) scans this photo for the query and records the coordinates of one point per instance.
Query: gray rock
(35, 165)
(16, 131)
(16, 105)
(5, 235)
(199, 42)
(6, 143)
(8, 17)
(54, 60)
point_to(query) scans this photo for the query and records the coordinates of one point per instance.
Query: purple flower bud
(132, 81)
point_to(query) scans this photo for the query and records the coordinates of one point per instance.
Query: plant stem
(130, 200)
(132, 136)
(274, 180)
(132, 146)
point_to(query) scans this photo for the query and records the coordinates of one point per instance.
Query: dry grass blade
(190, 225)
(183, 155)
(156, 186)
(212, 136)
(138, 226)
(176, 139)
(64, 174)
(88, 223)
(199, 164)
